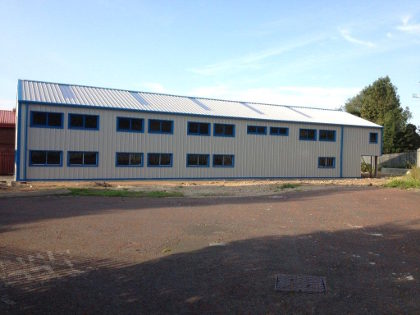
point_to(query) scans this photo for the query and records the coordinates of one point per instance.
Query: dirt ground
(92, 255)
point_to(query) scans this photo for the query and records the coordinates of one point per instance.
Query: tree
(409, 139)
(380, 103)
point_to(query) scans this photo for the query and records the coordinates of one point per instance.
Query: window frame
(198, 166)
(256, 130)
(224, 129)
(198, 134)
(171, 158)
(326, 157)
(160, 122)
(84, 122)
(33, 125)
(327, 130)
(129, 165)
(82, 165)
(307, 139)
(376, 137)
(46, 165)
(131, 124)
(224, 166)
(279, 134)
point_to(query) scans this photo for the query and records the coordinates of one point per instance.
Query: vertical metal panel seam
(341, 151)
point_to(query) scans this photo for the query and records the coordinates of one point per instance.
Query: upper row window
(198, 129)
(224, 130)
(257, 130)
(373, 137)
(279, 131)
(161, 126)
(327, 135)
(130, 124)
(307, 134)
(46, 120)
(78, 121)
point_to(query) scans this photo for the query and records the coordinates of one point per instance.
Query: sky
(282, 52)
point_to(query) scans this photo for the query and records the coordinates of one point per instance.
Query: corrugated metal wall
(255, 155)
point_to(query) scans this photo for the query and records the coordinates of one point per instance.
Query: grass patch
(288, 186)
(404, 183)
(122, 193)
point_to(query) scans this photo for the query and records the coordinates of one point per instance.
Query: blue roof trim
(197, 102)
(251, 108)
(189, 114)
(139, 98)
(66, 91)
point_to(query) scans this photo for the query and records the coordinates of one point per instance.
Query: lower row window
(223, 160)
(129, 159)
(326, 162)
(45, 158)
(82, 158)
(198, 160)
(159, 159)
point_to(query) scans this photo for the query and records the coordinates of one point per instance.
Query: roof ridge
(174, 95)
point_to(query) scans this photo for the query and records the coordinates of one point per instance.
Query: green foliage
(122, 193)
(412, 180)
(366, 168)
(408, 139)
(380, 103)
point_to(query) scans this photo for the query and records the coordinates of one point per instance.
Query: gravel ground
(87, 255)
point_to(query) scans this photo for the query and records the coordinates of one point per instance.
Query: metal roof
(7, 119)
(65, 94)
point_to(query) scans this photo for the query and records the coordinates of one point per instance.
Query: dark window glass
(198, 128)
(218, 160)
(124, 123)
(326, 162)
(76, 158)
(38, 157)
(166, 126)
(76, 121)
(260, 130)
(281, 131)
(53, 158)
(225, 160)
(193, 128)
(123, 159)
(373, 137)
(39, 119)
(228, 160)
(203, 160)
(204, 129)
(252, 129)
(307, 134)
(229, 130)
(224, 130)
(135, 159)
(197, 160)
(165, 159)
(137, 124)
(219, 129)
(154, 125)
(192, 159)
(153, 159)
(90, 158)
(55, 119)
(91, 122)
(327, 135)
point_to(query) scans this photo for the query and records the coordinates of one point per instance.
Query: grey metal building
(73, 132)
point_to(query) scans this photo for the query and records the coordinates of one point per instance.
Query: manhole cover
(300, 283)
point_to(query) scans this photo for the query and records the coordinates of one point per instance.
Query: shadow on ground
(368, 270)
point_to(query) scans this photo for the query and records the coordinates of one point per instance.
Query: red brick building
(7, 141)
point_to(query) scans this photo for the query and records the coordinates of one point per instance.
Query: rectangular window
(279, 131)
(257, 130)
(327, 135)
(45, 158)
(76, 158)
(46, 120)
(373, 137)
(307, 134)
(161, 126)
(198, 160)
(130, 124)
(198, 129)
(159, 159)
(224, 130)
(223, 160)
(326, 162)
(129, 159)
(80, 121)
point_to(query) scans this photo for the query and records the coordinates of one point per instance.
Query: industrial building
(7, 141)
(74, 132)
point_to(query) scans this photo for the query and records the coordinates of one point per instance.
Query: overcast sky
(296, 53)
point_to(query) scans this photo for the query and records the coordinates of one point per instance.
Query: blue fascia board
(192, 115)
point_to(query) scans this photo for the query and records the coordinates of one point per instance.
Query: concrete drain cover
(299, 283)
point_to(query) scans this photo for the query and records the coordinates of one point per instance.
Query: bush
(411, 180)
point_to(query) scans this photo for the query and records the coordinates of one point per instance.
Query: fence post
(418, 157)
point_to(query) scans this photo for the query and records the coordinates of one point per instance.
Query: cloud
(408, 27)
(351, 39)
(323, 97)
(251, 60)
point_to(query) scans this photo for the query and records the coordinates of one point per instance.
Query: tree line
(380, 103)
